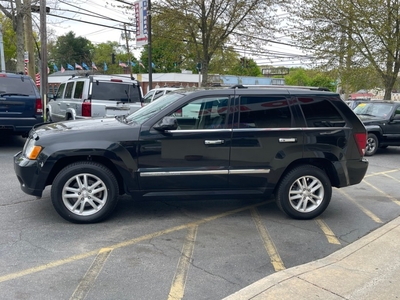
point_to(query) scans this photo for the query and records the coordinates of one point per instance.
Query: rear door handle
(213, 142)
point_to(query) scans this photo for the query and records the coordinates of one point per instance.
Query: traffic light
(113, 58)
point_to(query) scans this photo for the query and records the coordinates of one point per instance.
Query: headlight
(31, 151)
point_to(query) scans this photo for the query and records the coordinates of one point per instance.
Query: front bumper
(28, 174)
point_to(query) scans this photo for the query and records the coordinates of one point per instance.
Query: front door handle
(287, 140)
(213, 142)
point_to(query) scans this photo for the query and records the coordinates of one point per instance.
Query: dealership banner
(141, 22)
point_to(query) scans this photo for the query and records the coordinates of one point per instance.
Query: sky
(108, 13)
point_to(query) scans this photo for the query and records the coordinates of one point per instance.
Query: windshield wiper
(369, 115)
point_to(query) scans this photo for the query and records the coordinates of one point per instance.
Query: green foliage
(71, 49)
(245, 67)
(9, 41)
(313, 77)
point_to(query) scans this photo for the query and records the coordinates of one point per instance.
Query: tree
(9, 43)
(348, 35)
(206, 26)
(15, 12)
(71, 49)
(245, 67)
(310, 77)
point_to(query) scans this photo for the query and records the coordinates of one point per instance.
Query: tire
(372, 145)
(76, 201)
(304, 192)
(48, 117)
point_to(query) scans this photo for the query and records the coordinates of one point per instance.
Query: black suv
(294, 143)
(382, 121)
(20, 104)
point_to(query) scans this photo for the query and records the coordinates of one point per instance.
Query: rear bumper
(356, 170)
(18, 125)
(28, 174)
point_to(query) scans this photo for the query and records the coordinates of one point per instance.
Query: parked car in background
(228, 142)
(354, 103)
(382, 121)
(156, 93)
(20, 104)
(95, 96)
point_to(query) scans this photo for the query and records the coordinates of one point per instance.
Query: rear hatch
(119, 97)
(18, 97)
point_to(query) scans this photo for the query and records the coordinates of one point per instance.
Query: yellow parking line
(123, 244)
(332, 239)
(370, 214)
(392, 177)
(382, 192)
(90, 277)
(267, 241)
(381, 173)
(178, 283)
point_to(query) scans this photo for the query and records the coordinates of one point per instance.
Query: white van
(95, 96)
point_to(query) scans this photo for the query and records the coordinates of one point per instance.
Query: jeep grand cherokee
(294, 143)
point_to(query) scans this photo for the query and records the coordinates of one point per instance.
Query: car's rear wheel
(48, 116)
(304, 192)
(372, 144)
(84, 192)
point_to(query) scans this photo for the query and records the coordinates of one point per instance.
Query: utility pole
(43, 50)
(127, 50)
(3, 63)
(29, 38)
(149, 44)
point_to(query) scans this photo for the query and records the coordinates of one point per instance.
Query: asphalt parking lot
(205, 249)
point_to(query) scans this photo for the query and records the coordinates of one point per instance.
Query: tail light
(86, 108)
(178, 113)
(361, 139)
(39, 106)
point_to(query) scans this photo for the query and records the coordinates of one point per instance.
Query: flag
(26, 69)
(62, 69)
(55, 68)
(94, 65)
(153, 65)
(121, 64)
(133, 64)
(48, 70)
(78, 66)
(85, 66)
(69, 67)
(105, 66)
(140, 63)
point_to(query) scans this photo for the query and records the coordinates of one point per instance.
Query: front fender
(373, 128)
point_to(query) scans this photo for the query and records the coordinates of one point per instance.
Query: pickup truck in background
(381, 118)
(21, 106)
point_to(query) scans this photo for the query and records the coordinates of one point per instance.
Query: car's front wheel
(84, 192)
(304, 192)
(372, 144)
(48, 116)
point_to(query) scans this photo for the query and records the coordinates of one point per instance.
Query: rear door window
(68, 90)
(116, 91)
(263, 112)
(78, 89)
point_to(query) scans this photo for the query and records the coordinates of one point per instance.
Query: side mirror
(167, 123)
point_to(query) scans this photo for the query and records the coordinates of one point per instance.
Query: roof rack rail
(238, 86)
(275, 86)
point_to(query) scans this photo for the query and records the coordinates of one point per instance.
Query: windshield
(142, 115)
(381, 110)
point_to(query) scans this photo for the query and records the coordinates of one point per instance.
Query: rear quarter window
(320, 112)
